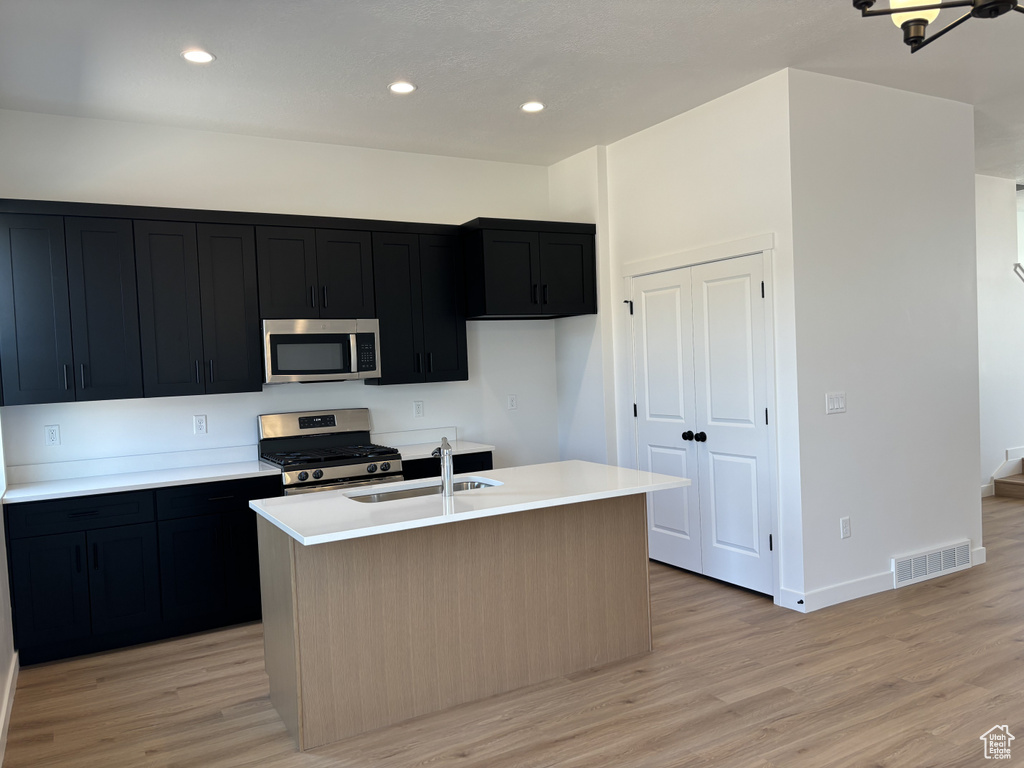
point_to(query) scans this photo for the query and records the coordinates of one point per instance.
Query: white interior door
(730, 382)
(663, 359)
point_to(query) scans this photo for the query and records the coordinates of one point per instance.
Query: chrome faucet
(444, 452)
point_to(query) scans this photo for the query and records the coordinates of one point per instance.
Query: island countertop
(318, 518)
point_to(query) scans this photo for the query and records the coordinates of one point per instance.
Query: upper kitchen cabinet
(311, 273)
(419, 296)
(198, 308)
(68, 316)
(529, 269)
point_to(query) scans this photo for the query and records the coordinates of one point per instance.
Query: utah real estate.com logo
(997, 742)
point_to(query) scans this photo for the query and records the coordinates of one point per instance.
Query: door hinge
(628, 301)
(770, 549)
(634, 410)
(766, 416)
(762, 289)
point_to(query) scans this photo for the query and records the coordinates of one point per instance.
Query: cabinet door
(193, 569)
(444, 318)
(230, 309)
(104, 308)
(35, 320)
(170, 320)
(344, 267)
(567, 270)
(243, 565)
(287, 272)
(511, 268)
(50, 589)
(124, 586)
(396, 281)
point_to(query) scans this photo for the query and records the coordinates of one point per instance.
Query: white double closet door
(701, 372)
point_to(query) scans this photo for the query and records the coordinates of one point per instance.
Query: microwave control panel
(366, 350)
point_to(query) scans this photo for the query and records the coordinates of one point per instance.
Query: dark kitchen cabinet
(416, 469)
(420, 297)
(198, 308)
(524, 269)
(68, 315)
(209, 557)
(80, 580)
(314, 273)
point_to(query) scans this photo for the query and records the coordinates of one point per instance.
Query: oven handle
(344, 485)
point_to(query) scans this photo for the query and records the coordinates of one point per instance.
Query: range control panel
(318, 422)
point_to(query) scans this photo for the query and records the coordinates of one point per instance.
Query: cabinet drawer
(211, 498)
(82, 513)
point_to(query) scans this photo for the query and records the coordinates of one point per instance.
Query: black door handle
(324, 305)
(199, 375)
(533, 294)
(66, 376)
(211, 371)
(545, 292)
(312, 296)
(700, 437)
(81, 369)
(417, 367)
(687, 435)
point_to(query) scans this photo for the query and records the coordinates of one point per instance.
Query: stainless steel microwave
(320, 350)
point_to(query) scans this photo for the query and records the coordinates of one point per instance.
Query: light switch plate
(835, 402)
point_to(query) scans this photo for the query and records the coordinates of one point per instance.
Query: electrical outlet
(51, 434)
(417, 409)
(513, 402)
(199, 424)
(844, 527)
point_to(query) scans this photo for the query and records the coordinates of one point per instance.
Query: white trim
(978, 556)
(988, 490)
(817, 599)
(8, 703)
(717, 252)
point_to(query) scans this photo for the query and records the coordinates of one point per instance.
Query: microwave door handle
(354, 353)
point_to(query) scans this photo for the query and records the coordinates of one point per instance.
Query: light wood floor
(906, 678)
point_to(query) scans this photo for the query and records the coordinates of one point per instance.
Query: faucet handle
(444, 447)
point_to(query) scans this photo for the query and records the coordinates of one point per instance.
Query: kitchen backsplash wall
(504, 358)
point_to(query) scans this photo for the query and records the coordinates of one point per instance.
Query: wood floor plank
(911, 677)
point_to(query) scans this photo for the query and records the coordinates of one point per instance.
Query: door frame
(751, 246)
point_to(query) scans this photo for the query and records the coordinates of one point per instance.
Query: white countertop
(423, 450)
(43, 490)
(317, 518)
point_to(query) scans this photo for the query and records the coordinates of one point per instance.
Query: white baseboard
(817, 599)
(8, 703)
(988, 490)
(977, 556)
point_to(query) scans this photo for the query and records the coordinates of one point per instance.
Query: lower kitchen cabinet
(93, 573)
(416, 469)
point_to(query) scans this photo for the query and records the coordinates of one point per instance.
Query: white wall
(577, 191)
(72, 159)
(717, 174)
(886, 309)
(1000, 327)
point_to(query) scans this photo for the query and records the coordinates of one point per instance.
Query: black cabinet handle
(700, 437)
(199, 374)
(220, 498)
(78, 558)
(533, 295)
(66, 376)
(312, 296)
(545, 294)
(86, 513)
(417, 367)
(95, 556)
(325, 297)
(687, 435)
(211, 372)
(430, 362)
(81, 373)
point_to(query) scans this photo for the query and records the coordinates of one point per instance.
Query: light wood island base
(371, 631)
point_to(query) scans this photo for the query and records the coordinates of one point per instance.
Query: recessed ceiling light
(401, 87)
(531, 106)
(197, 56)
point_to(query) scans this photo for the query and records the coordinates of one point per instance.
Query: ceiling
(318, 70)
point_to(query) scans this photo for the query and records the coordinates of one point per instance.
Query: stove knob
(371, 468)
(303, 475)
(385, 466)
(317, 474)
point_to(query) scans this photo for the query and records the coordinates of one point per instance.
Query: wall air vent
(911, 569)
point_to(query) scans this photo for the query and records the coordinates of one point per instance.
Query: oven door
(343, 485)
(320, 350)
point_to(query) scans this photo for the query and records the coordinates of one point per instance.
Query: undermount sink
(423, 490)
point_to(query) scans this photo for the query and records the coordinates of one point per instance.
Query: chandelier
(914, 17)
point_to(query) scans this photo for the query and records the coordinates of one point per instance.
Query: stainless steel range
(324, 450)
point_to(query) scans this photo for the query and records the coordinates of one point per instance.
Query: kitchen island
(378, 612)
